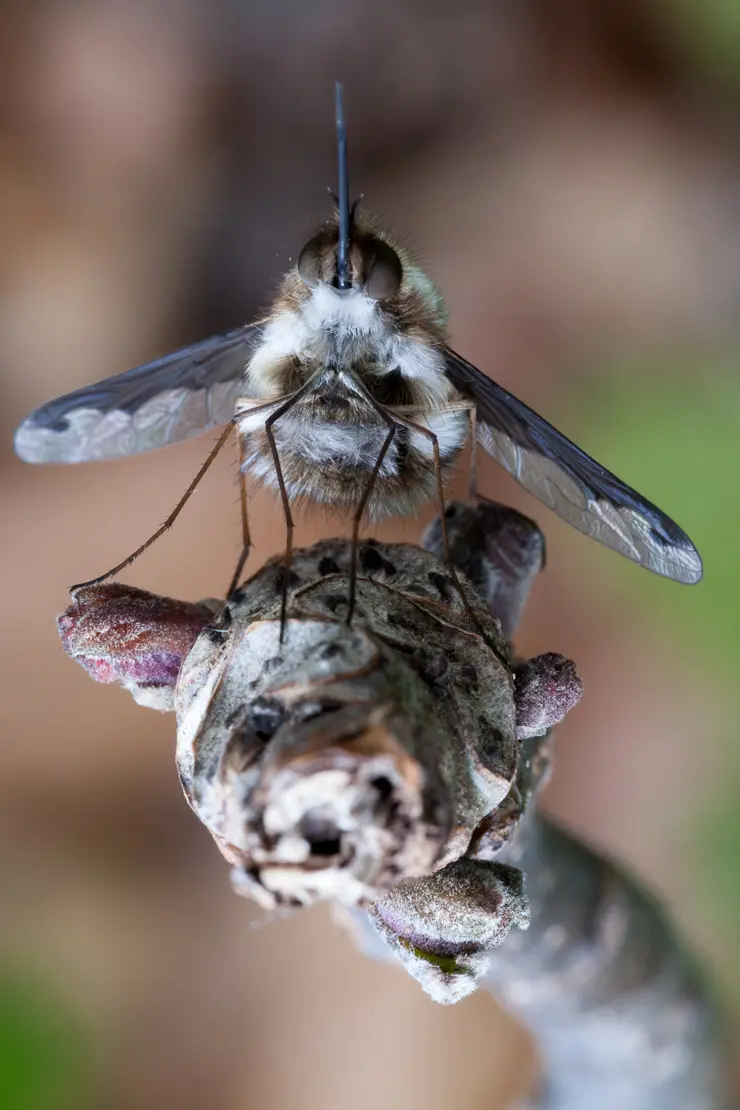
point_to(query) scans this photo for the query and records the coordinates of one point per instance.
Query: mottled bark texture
(391, 767)
(339, 762)
(622, 1017)
(345, 758)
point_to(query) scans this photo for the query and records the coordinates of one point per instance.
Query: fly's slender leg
(392, 424)
(360, 511)
(246, 536)
(289, 526)
(178, 507)
(170, 519)
(289, 523)
(473, 486)
(443, 520)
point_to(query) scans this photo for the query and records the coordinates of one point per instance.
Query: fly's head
(385, 289)
(374, 267)
(353, 261)
(385, 328)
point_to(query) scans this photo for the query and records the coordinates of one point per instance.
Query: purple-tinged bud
(545, 689)
(121, 634)
(500, 551)
(443, 926)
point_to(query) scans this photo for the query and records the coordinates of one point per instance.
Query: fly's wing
(570, 482)
(161, 402)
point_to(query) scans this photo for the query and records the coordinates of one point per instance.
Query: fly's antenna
(345, 216)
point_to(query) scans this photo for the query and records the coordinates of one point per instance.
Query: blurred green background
(45, 1058)
(569, 174)
(676, 429)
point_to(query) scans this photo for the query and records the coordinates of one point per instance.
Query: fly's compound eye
(310, 262)
(383, 271)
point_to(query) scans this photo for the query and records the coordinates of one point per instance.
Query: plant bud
(443, 926)
(546, 688)
(121, 634)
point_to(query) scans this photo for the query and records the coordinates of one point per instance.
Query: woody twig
(391, 767)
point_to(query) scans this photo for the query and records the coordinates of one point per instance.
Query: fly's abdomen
(328, 453)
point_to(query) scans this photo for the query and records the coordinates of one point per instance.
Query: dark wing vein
(570, 482)
(158, 403)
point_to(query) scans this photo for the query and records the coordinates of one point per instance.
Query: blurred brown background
(569, 173)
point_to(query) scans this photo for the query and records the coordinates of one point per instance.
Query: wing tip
(33, 443)
(694, 567)
(26, 444)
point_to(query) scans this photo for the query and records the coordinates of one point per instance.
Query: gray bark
(393, 766)
(621, 1015)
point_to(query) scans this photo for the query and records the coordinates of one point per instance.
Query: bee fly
(348, 394)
